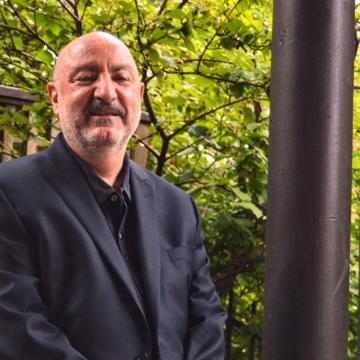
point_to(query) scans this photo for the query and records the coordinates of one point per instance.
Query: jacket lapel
(70, 183)
(143, 189)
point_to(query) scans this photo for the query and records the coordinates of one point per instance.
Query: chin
(102, 135)
(105, 138)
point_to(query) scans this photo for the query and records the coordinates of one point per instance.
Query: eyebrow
(79, 68)
(95, 68)
(121, 67)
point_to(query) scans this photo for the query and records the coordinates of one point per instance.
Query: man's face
(97, 94)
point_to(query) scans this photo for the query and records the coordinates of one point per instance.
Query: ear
(142, 89)
(53, 95)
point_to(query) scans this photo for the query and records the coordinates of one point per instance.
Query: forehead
(97, 53)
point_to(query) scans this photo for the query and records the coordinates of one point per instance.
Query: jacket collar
(101, 189)
(143, 190)
(67, 179)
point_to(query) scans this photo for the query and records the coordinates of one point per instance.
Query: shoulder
(170, 200)
(21, 174)
(20, 167)
(172, 209)
(162, 186)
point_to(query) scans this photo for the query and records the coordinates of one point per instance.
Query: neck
(107, 164)
(107, 167)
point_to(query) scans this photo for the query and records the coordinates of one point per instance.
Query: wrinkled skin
(97, 95)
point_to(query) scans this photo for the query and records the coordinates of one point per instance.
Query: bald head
(96, 92)
(83, 45)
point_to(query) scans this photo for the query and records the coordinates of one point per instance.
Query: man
(99, 258)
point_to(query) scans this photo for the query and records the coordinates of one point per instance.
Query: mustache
(99, 107)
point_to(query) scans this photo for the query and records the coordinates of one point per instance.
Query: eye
(86, 78)
(121, 78)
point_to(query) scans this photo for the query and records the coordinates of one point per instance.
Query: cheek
(70, 111)
(75, 99)
(132, 96)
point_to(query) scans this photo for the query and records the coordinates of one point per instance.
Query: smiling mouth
(100, 108)
(107, 121)
(105, 114)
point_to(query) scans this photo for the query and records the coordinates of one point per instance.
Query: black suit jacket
(65, 290)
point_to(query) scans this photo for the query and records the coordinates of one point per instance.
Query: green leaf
(21, 2)
(55, 28)
(176, 14)
(241, 195)
(45, 56)
(234, 25)
(253, 208)
(187, 28)
(252, 126)
(189, 44)
(199, 130)
(228, 42)
(170, 61)
(237, 89)
(19, 45)
(185, 176)
(249, 116)
(154, 55)
(42, 20)
(158, 33)
(356, 161)
(245, 63)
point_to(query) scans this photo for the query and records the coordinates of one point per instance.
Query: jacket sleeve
(25, 331)
(205, 337)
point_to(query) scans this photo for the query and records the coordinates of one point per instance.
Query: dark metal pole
(308, 228)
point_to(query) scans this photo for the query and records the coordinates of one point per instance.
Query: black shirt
(118, 209)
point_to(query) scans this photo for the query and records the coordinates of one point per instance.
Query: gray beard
(98, 145)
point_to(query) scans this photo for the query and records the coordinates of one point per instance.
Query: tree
(205, 65)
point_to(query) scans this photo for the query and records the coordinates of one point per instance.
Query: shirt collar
(101, 189)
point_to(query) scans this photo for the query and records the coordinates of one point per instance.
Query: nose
(105, 88)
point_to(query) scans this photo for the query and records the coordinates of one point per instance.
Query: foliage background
(206, 67)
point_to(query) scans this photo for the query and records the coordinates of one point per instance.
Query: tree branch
(162, 7)
(183, 3)
(208, 60)
(68, 11)
(153, 117)
(146, 145)
(78, 23)
(138, 13)
(36, 35)
(6, 27)
(211, 77)
(209, 167)
(183, 149)
(162, 157)
(24, 69)
(34, 16)
(8, 31)
(213, 37)
(232, 9)
(3, 152)
(20, 86)
(70, 3)
(192, 121)
(29, 56)
(204, 51)
(150, 109)
(85, 8)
